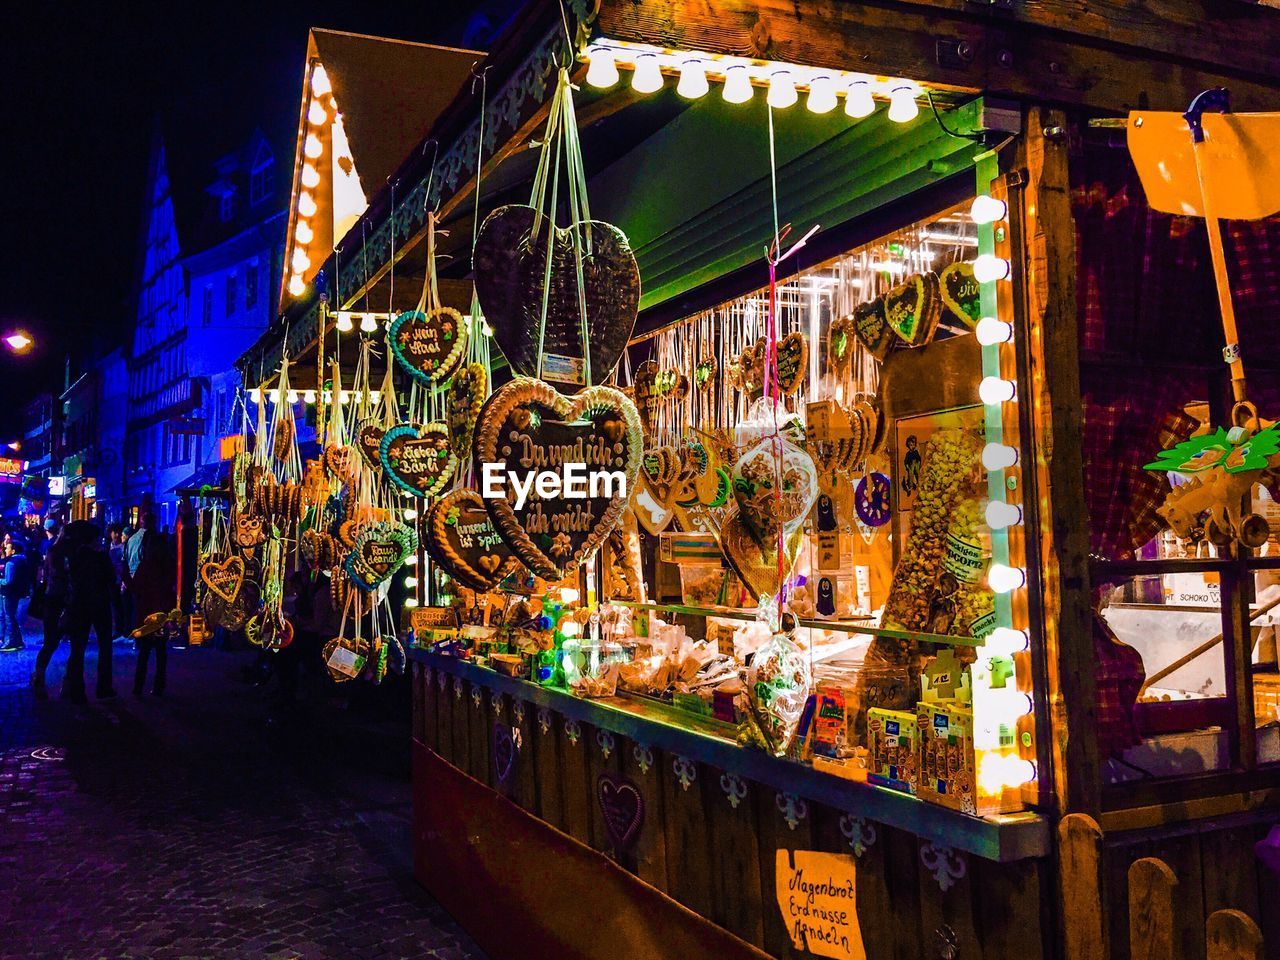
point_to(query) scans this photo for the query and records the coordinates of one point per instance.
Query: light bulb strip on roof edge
(824, 86)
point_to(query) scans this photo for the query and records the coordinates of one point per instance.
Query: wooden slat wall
(719, 859)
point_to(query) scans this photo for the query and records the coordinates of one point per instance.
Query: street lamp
(19, 342)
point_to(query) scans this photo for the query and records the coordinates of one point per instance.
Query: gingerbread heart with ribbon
(511, 276)
(340, 462)
(369, 441)
(527, 429)
(429, 344)
(461, 538)
(379, 550)
(961, 293)
(224, 577)
(418, 458)
(793, 361)
(466, 396)
(913, 308)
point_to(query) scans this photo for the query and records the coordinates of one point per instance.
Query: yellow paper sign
(817, 894)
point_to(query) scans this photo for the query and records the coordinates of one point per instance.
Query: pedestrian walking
(51, 602)
(16, 581)
(92, 583)
(153, 584)
(122, 600)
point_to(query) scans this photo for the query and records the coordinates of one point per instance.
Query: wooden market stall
(1126, 798)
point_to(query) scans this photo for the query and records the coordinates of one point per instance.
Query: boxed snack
(948, 771)
(830, 736)
(893, 742)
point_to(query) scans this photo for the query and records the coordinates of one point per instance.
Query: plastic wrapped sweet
(775, 484)
(778, 684)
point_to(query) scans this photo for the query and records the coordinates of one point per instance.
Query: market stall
(767, 590)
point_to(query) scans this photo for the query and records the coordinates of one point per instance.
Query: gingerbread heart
(756, 563)
(345, 657)
(377, 553)
(339, 462)
(466, 396)
(369, 441)
(225, 577)
(961, 293)
(793, 361)
(840, 339)
(912, 309)
(871, 327)
(418, 459)
(511, 277)
(704, 373)
(660, 489)
(461, 538)
(428, 344)
(528, 428)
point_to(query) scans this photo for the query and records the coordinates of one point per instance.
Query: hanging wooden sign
(224, 577)
(510, 276)
(429, 344)
(527, 430)
(418, 459)
(466, 396)
(378, 552)
(461, 538)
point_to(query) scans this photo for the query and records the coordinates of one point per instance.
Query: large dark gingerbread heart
(418, 459)
(529, 427)
(461, 538)
(510, 269)
(622, 810)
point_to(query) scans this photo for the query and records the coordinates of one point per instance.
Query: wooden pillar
(1052, 332)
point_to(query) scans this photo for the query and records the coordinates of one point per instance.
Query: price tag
(346, 661)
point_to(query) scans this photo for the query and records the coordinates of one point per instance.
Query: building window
(206, 308)
(231, 294)
(226, 206)
(260, 183)
(251, 281)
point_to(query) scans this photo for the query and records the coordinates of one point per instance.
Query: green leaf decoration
(1217, 450)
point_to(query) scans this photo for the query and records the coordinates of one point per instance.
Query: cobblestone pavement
(206, 824)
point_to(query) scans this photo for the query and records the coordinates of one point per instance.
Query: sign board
(817, 894)
(228, 447)
(10, 469)
(57, 486)
(89, 490)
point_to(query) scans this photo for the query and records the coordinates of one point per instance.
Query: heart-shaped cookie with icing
(429, 344)
(340, 462)
(660, 488)
(377, 553)
(704, 372)
(368, 442)
(527, 428)
(961, 293)
(913, 308)
(461, 538)
(467, 391)
(224, 577)
(418, 458)
(793, 361)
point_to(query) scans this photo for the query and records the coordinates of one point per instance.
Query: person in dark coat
(93, 584)
(154, 588)
(53, 587)
(16, 581)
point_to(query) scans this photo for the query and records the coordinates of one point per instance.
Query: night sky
(83, 90)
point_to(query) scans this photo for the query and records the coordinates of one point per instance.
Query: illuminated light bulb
(310, 175)
(292, 396)
(346, 397)
(994, 391)
(569, 595)
(782, 89)
(297, 286)
(273, 396)
(1005, 642)
(300, 261)
(410, 601)
(411, 514)
(822, 94)
(988, 268)
(411, 560)
(320, 81)
(312, 147)
(997, 456)
(987, 209)
(603, 69)
(410, 582)
(344, 323)
(255, 395)
(570, 628)
(648, 74)
(858, 103)
(316, 113)
(369, 324)
(309, 397)
(306, 204)
(1001, 515)
(997, 771)
(375, 396)
(737, 84)
(693, 79)
(991, 331)
(902, 104)
(1003, 579)
(303, 232)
